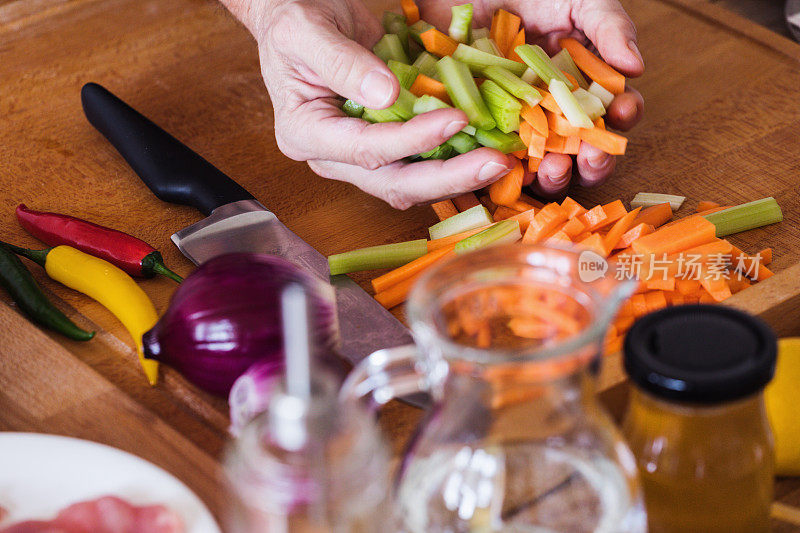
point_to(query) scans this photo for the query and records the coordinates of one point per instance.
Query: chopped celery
(390, 47)
(505, 142)
(375, 257)
(426, 64)
(396, 23)
(513, 84)
(400, 111)
(505, 109)
(569, 105)
(460, 22)
(746, 216)
(353, 108)
(649, 199)
(563, 61)
(540, 62)
(479, 33)
(602, 93)
(530, 76)
(590, 104)
(406, 74)
(463, 92)
(477, 60)
(443, 151)
(462, 143)
(506, 231)
(487, 44)
(427, 103)
(472, 218)
(469, 130)
(418, 28)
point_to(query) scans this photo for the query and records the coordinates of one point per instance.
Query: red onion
(226, 316)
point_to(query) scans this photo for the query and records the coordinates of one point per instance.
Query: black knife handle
(172, 171)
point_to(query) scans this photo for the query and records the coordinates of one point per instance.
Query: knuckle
(366, 157)
(396, 197)
(287, 147)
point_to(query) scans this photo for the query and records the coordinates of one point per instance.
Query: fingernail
(376, 88)
(453, 128)
(597, 161)
(492, 170)
(635, 50)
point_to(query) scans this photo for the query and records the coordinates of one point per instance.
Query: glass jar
(696, 420)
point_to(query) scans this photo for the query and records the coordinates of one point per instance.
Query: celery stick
(530, 76)
(406, 74)
(590, 104)
(513, 84)
(539, 61)
(390, 47)
(463, 92)
(602, 93)
(427, 103)
(479, 33)
(505, 109)
(487, 45)
(353, 108)
(477, 60)
(443, 151)
(426, 64)
(563, 61)
(569, 105)
(746, 216)
(418, 28)
(460, 22)
(505, 231)
(462, 143)
(469, 130)
(400, 111)
(396, 23)
(649, 199)
(505, 142)
(472, 218)
(375, 257)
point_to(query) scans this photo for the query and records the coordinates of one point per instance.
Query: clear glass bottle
(696, 419)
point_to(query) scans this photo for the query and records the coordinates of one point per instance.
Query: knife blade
(235, 221)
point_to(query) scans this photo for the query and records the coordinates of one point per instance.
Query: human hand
(311, 52)
(608, 27)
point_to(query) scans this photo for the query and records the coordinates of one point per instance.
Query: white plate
(41, 474)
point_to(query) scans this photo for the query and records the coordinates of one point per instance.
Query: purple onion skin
(226, 316)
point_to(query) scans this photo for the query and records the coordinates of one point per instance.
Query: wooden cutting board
(720, 124)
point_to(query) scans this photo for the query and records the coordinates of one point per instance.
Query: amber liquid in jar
(704, 469)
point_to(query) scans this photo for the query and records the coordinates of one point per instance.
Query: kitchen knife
(235, 221)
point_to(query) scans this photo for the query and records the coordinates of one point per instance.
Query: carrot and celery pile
(518, 99)
(686, 260)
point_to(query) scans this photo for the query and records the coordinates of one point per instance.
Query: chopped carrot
(393, 277)
(521, 206)
(519, 40)
(593, 217)
(749, 266)
(639, 305)
(571, 79)
(656, 216)
(525, 132)
(714, 210)
(663, 284)
(766, 256)
(605, 140)
(444, 209)
(534, 115)
(397, 293)
(764, 273)
(465, 201)
(559, 236)
(533, 163)
(504, 29)
(536, 145)
(555, 143)
(640, 230)
(613, 345)
(520, 154)
(684, 234)
(600, 123)
(738, 284)
(572, 144)
(532, 201)
(572, 207)
(503, 213)
(438, 43)
(655, 300)
(594, 67)
(443, 242)
(524, 219)
(674, 297)
(614, 211)
(717, 287)
(705, 205)
(545, 223)
(488, 203)
(687, 286)
(410, 10)
(618, 229)
(624, 323)
(573, 227)
(507, 189)
(426, 85)
(559, 124)
(548, 102)
(594, 242)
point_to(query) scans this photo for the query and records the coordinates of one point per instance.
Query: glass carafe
(507, 344)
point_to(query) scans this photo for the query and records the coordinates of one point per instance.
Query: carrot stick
(738, 284)
(518, 41)
(393, 277)
(662, 284)
(573, 227)
(524, 219)
(559, 124)
(521, 206)
(571, 79)
(465, 201)
(548, 102)
(572, 207)
(685, 233)
(488, 203)
(572, 144)
(655, 300)
(748, 265)
(593, 217)
(504, 29)
(593, 66)
(534, 115)
(594, 242)
(426, 85)
(525, 132)
(687, 286)
(766, 256)
(531, 201)
(436, 244)
(717, 287)
(618, 230)
(559, 236)
(533, 163)
(639, 305)
(634, 233)
(503, 213)
(520, 154)
(438, 43)
(605, 140)
(656, 216)
(536, 145)
(705, 205)
(507, 189)
(555, 143)
(714, 210)
(614, 211)
(545, 223)
(444, 209)
(410, 10)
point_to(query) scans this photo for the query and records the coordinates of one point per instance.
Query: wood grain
(720, 124)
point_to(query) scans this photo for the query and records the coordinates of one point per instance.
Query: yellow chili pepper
(112, 288)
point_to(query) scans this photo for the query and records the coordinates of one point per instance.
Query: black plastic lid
(700, 354)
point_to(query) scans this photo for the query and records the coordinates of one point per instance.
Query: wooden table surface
(721, 120)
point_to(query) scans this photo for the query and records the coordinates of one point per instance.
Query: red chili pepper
(132, 255)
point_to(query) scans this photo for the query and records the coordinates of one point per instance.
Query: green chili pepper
(20, 284)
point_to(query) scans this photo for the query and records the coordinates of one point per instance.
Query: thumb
(348, 68)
